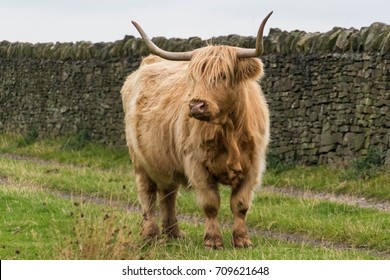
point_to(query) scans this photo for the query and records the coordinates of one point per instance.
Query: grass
(323, 220)
(59, 150)
(331, 180)
(50, 197)
(70, 178)
(31, 223)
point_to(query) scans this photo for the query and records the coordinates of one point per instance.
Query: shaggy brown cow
(200, 120)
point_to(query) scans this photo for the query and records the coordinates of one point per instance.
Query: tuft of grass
(77, 142)
(366, 167)
(275, 164)
(108, 236)
(28, 139)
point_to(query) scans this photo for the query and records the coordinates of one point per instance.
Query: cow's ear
(249, 68)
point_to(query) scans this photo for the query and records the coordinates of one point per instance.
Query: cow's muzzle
(199, 109)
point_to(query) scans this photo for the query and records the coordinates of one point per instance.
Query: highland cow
(200, 119)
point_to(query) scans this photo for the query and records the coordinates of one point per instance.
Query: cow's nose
(197, 107)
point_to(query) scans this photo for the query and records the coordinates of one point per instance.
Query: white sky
(109, 20)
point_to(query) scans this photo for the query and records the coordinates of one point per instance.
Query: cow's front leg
(168, 211)
(209, 200)
(239, 203)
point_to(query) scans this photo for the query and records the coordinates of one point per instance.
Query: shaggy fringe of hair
(214, 64)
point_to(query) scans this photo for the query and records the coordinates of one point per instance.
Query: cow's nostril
(199, 110)
(200, 106)
(197, 106)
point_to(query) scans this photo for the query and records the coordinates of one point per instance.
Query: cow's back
(153, 101)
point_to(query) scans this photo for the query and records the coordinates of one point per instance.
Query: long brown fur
(169, 148)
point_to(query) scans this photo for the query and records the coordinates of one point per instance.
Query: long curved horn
(258, 51)
(161, 53)
(181, 56)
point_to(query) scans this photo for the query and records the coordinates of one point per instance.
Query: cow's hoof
(241, 242)
(150, 231)
(174, 232)
(213, 242)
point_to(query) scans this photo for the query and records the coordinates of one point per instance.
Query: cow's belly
(155, 149)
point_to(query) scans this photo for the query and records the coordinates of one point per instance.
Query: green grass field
(70, 199)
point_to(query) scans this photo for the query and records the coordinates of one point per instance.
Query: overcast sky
(109, 20)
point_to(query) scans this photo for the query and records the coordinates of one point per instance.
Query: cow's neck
(237, 117)
(233, 165)
(234, 127)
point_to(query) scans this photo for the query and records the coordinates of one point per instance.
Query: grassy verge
(72, 150)
(323, 220)
(118, 184)
(358, 179)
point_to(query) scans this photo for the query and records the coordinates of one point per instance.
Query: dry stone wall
(328, 93)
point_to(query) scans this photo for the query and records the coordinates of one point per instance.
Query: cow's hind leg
(147, 196)
(168, 211)
(239, 203)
